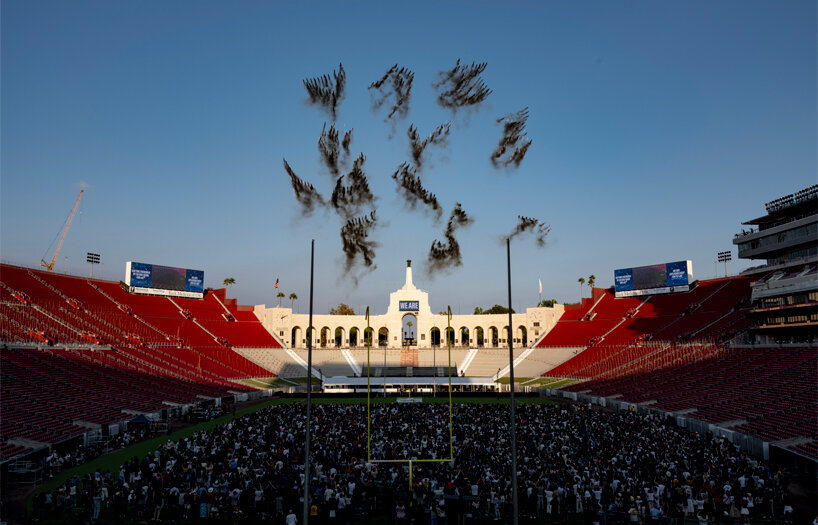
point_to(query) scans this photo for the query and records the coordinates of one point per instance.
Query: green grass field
(548, 382)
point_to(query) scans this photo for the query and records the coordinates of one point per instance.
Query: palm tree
(591, 281)
(229, 282)
(581, 281)
(280, 296)
(293, 298)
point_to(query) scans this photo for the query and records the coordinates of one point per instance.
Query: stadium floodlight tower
(725, 257)
(92, 259)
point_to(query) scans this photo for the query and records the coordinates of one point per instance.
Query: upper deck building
(785, 294)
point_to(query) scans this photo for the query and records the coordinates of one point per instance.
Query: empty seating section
(237, 311)
(808, 449)
(45, 392)
(575, 312)
(74, 310)
(161, 350)
(238, 328)
(729, 293)
(712, 309)
(772, 389)
(665, 349)
(242, 333)
(596, 321)
(208, 309)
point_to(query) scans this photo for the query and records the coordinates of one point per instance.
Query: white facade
(392, 328)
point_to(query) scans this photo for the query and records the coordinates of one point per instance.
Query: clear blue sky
(657, 126)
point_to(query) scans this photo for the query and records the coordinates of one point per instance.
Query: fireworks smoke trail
(412, 190)
(530, 225)
(348, 200)
(444, 256)
(355, 244)
(305, 193)
(439, 136)
(514, 136)
(461, 86)
(399, 87)
(327, 92)
(346, 142)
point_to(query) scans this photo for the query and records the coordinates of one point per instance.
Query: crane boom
(50, 265)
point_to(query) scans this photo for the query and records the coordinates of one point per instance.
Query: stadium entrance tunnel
(409, 329)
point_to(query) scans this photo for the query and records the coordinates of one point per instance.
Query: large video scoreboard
(164, 280)
(654, 279)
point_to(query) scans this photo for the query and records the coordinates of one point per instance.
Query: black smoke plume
(513, 144)
(333, 151)
(355, 244)
(530, 225)
(439, 136)
(395, 86)
(305, 193)
(410, 187)
(443, 256)
(328, 146)
(348, 200)
(461, 86)
(327, 91)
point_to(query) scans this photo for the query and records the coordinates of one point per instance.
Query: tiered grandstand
(737, 352)
(714, 309)
(80, 353)
(671, 352)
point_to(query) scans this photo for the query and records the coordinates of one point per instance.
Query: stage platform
(408, 384)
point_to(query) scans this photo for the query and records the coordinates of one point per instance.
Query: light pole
(725, 257)
(92, 259)
(514, 497)
(309, 396)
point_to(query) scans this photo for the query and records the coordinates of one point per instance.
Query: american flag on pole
(276, 286)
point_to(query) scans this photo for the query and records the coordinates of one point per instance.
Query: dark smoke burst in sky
(305, 193)
(355, 244)
(462, 86)
(513, 145)
(444, 256)
(331, 150)
(328, 146)
(398, 89)
(327, 91)
(459, 88)
(348, 200)
(530, 225)
(439, 136)
(412, 190)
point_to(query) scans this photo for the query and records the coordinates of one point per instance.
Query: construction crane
(50, 265)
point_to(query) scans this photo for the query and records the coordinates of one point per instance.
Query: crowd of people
(572, 462)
